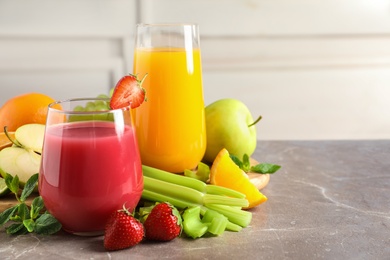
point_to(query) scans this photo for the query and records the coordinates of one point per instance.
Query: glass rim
(92, 112)
(165, 24)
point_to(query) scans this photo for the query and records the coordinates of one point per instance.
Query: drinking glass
(90, 164)
(170, 126)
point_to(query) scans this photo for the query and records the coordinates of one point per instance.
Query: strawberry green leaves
(261, 168)
(27, 219)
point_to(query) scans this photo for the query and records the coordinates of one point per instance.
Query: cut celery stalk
(189, 182)
(173, 190)
(233, 227)
(201, 173)
(219, 190)
(184, 192)
(173, 178)
(218, 225)
(192, 224)
(237, 216)
(154, 196)
(217, 222)
(218, 199)
(208, 217)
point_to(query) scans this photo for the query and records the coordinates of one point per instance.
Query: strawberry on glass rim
(128, 92)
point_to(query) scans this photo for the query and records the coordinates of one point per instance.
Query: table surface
(330, 200)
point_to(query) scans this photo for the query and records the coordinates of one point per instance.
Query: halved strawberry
(128, 92)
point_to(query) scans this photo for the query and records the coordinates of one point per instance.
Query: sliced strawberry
(122, 231)
(128, 92)
(164, 223)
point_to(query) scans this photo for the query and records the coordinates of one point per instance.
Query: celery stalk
(233, 227)
(184, 192)
(237, 216)
(217, 222)
(217, 199)
(174, 178)
(155, 196)
(192, 224)
(173, 190)
(219, 190)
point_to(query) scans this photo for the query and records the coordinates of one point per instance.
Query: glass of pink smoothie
(90, 164)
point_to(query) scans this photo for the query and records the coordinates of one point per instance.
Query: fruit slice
(30, 136)
(19, 161)
(3, 188)
(224, 172)
(128, 92)
(23, 158)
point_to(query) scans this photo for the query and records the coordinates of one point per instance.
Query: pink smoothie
(88, 171)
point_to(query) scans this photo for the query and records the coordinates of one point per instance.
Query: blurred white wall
(313, 69)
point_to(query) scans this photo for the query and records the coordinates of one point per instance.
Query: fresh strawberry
(128, 91)
(164, 223)
(123, 230)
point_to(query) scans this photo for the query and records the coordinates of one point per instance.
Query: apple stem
(257, 120)
(9, 138)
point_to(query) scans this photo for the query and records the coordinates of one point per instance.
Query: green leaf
(7, 214)
(201, 173)
(29, 187)
(236, 160)
(14, 184)
(29, 224)
(265, 168)
(36, 206)
(246, 164)
(8, 180)
(23, 211)
(17, 228)
(46, 224)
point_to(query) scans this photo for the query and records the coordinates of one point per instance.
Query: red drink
(89, 170)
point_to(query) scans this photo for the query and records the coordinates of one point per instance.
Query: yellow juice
(170, 126)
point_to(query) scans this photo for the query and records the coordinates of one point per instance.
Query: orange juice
(170, 126)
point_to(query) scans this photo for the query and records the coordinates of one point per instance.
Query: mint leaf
(8, 180)
(29, 187)
(46, 224)
(246, 164)
(265, 168)
(17, 228)
(12, 183)
(26, 219)
(236, 161)
(7, 214)
(36, 206)
(23, 211)
(29, 224)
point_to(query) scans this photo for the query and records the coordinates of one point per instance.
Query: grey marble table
(330, 200)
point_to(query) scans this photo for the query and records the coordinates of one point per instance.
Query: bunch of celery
(208, 208)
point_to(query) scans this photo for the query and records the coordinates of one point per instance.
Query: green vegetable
(262, 168)
(27, 219)
(185, 192)
(202, 173)
(192, 224)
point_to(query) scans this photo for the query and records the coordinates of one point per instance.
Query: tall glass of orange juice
(170, 126)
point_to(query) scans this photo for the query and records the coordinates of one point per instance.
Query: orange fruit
(24, 109)
(224, 172)
(4, 141)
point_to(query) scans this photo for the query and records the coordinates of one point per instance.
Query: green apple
(229, 124)
(23, 158)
